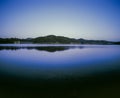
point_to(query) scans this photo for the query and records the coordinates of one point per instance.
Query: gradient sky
(89, 19)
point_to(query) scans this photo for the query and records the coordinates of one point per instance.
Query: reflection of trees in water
(52, 49)
(43, 48)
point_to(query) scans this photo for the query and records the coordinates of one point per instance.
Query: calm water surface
(51, 61)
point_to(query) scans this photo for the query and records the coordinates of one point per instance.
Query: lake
(57, 61)
(59, 71)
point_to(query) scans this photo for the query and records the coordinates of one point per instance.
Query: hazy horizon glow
(89, 19)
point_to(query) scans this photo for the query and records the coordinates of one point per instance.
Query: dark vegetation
(117, 43)
(83, 41)
(55, 39)
(52, 39)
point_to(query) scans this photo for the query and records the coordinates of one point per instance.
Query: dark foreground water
(56, 71)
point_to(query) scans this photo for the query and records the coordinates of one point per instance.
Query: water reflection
(70, 60)
(41, 48)
(72, 67)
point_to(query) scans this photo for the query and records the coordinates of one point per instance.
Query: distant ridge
(52, 39)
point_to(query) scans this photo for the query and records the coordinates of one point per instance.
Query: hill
(52, 39)
(55, 39)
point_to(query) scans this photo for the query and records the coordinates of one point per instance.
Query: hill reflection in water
(59, 69)
(41, 48)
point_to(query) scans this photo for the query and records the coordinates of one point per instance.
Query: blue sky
(89, 19)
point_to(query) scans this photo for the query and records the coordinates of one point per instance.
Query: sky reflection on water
(58, 61)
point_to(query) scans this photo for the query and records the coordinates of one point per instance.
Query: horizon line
(58, 36)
